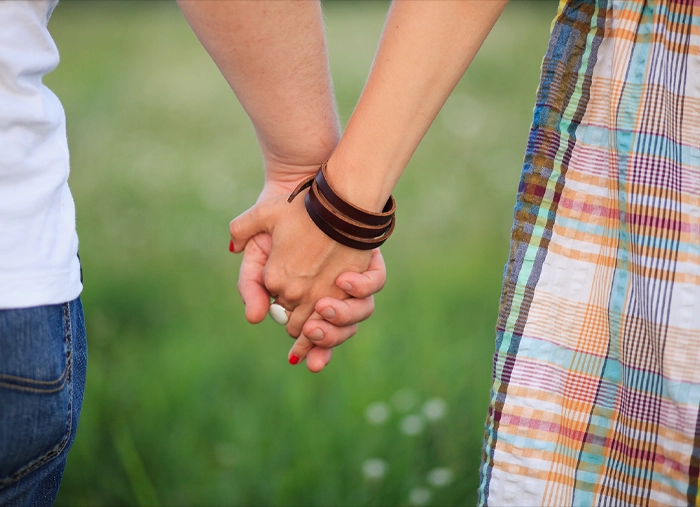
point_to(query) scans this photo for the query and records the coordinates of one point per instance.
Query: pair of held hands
(326, 287)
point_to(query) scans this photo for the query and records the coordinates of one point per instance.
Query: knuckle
(293, 293)
(254, 213)
(272, 280)
(343, 316)
(235, 227)
(373, 285)
(261, 211)
(348, 313)
(327, 342)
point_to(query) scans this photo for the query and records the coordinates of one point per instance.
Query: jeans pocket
(35, 388)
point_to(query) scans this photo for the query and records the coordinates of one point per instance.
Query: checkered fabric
(596, 389)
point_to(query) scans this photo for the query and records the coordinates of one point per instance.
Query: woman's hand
(333, 321)
(303, 263)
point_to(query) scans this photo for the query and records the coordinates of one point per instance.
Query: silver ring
(278, 313)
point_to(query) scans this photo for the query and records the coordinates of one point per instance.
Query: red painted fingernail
(293, 359)
(231, 248)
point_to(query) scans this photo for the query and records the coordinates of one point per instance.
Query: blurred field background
(186, 403)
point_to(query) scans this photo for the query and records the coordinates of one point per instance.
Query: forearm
(273, 55)
(425, 48)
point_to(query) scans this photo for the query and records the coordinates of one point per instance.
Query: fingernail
(346, 287)
(231, 248)
(316, 335)
(328, 313)
(293, 359)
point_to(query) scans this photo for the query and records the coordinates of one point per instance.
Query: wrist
(300, 145)
(364, 181)
(293, 164)
(342, 221)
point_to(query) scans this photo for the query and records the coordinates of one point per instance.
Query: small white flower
(377, 413)
(404, 400)
(374, 469)
(419, 496)
(412, 425)
(434, 409)
(440, 477)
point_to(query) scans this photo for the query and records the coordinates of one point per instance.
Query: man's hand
(303, 263)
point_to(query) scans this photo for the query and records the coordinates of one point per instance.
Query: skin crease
(273, 55)
(425, 48)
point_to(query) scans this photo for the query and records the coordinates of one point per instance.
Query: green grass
(186, 403)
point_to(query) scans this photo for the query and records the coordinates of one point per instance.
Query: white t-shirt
(38, 240)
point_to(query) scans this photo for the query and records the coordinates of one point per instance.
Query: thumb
(254, 221)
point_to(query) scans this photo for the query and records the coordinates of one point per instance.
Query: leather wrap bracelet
(340, 220)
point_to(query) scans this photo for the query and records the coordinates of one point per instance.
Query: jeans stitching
(18, 381)
(58, 448)
(15, 387)
(26, 380)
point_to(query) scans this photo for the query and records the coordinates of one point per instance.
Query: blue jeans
(43, 360)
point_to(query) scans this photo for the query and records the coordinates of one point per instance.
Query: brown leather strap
(359, 214)
(340, 220)
(301, 186)
(342, 237)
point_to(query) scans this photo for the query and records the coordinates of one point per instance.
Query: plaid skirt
(596, 376)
